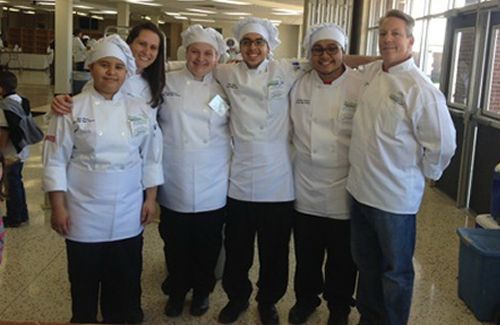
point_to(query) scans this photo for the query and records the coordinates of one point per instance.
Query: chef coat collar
(207, 78)
(403, 66)
(318, 80)
(98, 97)
(261, 68)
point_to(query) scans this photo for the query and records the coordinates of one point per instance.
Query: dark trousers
(316, 238)
(80, 66)
(110, 271)
(271, 222)
(17, 210)
(192, 244)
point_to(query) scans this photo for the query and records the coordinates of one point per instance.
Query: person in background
(148, 47)
(17, 209)
(102, 163)
(79, 50)
(196, 158)
(323, 103)
(261, 193)
(402, 133)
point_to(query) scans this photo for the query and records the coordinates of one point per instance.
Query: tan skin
(145, 50)
(109, 74)
(394, 42)
(201, 59)
(327, 59)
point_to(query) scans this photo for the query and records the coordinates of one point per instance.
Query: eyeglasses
(330, 50)
(248, 42)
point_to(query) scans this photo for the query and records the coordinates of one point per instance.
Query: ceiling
(206, 12)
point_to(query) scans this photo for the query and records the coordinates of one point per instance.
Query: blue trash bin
(479, 271)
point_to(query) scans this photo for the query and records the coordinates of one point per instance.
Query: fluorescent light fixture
(5, 8)
(190, 0)
(2, 1)
(233, 2)
(275, 22)
(161, 22)
(151, 4)
(25, 7)
(104, 12)
(29, 12)
(181, 17)
(14, 9)
(82, 7)
(83, 14)
(203, 20)
(46, 3)
(97, 17)
(286, 12)
(237, 13)
(203, 11)
(172, 13)
(195, 14)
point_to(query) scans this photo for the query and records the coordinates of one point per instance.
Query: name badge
(218, 105)
(138, 124)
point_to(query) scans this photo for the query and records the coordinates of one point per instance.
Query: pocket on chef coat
(85, 136)
(391, 118)
(346, 115)
(139, 127)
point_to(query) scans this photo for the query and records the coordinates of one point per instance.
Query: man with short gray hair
(402, 134)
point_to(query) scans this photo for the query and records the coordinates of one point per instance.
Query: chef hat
(113, 46)
(196, 33)
(327, 31)
(261, 26)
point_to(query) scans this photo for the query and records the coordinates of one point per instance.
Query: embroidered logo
(231, 85)
(302, 101)
(84, 120)
(172, 94)
(398, 98)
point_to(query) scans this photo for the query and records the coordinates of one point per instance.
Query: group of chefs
(263, 147)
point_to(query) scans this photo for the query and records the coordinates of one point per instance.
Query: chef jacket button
(315, 151)
(205, 110)
(205, 141)
(97, 102)
(262, 127)
(99, 133)
(243, 99)
(188, 82)
(123, 134)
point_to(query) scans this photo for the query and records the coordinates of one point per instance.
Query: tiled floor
(34, 285)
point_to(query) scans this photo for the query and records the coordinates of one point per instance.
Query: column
(63, 46)
(123, 15)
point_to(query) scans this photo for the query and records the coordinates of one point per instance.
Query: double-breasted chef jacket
(402, 133)
(103, 155)
(196, 144)
(322, 125)
(261, 169)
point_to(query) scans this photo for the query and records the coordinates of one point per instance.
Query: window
(434, 49)
(463, 48)
(492, 106)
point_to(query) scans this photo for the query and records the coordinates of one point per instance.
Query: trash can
(479, 272)
(80, 78)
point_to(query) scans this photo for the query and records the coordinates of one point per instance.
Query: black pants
(112, 269)
(192, 246)
(314, 238)
(17, 210)
(272, 224)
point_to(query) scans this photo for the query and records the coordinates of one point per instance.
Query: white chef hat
(327, 31)
(113, 46)
(196, 33)
(261, 26)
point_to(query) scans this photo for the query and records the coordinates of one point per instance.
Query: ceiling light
(82, 7)
(190, 0)
(286, 12)
(161, 22)
(14, 10)
(29, 12)
(237, 13)
(104, 12)
(25, 7)
(203, 20)
(233, 2)
(172, 13)
(97, 17)
(196, 14)
(181, 17)
(203, 11)
(137, 2)
(46, 3)
(81, 14)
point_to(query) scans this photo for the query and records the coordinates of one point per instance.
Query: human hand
(61, 104)
(148, 211)
(60, 221)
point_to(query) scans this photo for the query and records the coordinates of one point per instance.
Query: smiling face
(254, 49)
(109, 74)
(395, 44)
(145, 49)
(201, 59)
(326, 59)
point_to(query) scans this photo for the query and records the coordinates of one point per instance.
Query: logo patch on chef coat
(276, 88)
(231, 85)
(398, 98)
(302, 101)
(138, 124)
(84, 120)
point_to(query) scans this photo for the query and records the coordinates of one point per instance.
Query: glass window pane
(463, 48)
(418, 8)
(372, 46)
(493, 87)
(438, 6)
(434, 51)
(377, 10)
(463, 3)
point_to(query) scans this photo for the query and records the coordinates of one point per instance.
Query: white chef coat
(10, 150)
(103, 155)
(261, 170)
(196, 145)
(79, 50)
(322, 124)
(402, 133)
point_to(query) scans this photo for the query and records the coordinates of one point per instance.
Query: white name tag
(218, 105)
